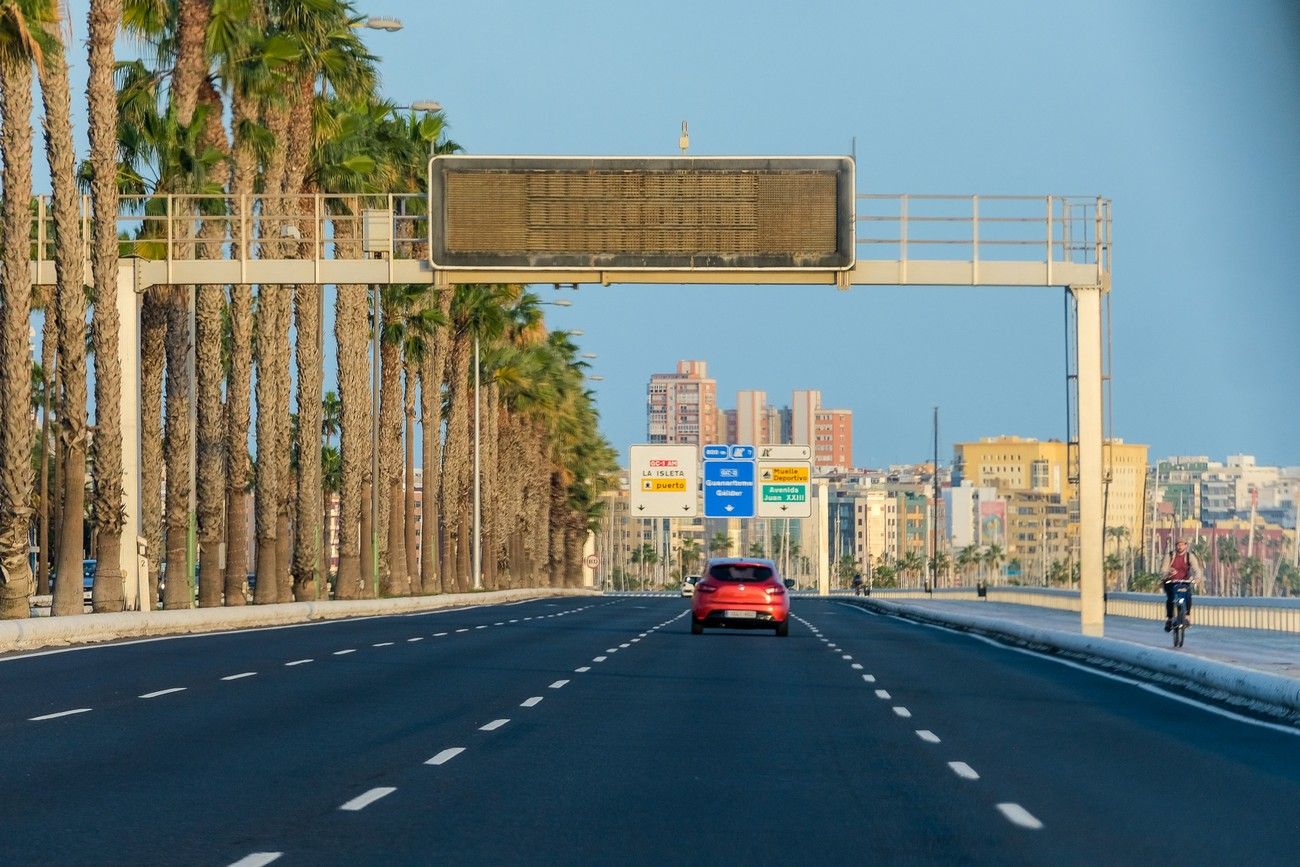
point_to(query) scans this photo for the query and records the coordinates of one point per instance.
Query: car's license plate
(741, 615)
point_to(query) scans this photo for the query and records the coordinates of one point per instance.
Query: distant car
(688, 586)
(743, 592)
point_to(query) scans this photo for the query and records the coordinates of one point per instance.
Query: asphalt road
(599, 731)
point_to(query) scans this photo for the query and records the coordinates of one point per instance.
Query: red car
(743, 592)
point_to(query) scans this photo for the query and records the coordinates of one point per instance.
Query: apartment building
(828, 431)
(682, 407)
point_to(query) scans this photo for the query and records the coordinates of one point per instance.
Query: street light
(596, 377)
(420, 105)
(575, 332)
(588, 355)
(379, 22)
(563, 302)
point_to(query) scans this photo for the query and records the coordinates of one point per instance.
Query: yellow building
(1015, 464)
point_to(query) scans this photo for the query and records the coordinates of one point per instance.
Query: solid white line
(383, 644)
(583, 670)
(345, 652)
(360, 802)
(257, 859)
(927, 736)
(59, 714)
(531, 702)
(445, 756)
(240, 675)
(1018, 815)
(298, 662)
(903, 712)
(963, 770)
(558, 684)
(163, 692)
(880, 693)
(869, 678)
(494, 725)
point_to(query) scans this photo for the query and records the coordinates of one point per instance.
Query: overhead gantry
(794, 221)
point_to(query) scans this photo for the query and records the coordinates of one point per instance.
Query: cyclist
(857, 584)
(1183, 567)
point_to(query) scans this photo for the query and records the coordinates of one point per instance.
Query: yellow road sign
(789, 474)
(657, 486)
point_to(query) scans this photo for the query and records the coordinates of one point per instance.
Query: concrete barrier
(46, 632)
(1270, 694)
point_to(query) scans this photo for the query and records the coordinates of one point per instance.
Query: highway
(597, 730)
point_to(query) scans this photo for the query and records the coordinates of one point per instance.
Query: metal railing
(1281, 614)
(1066, 229)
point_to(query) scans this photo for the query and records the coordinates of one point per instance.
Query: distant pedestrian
(857, 584)
(1183, 566)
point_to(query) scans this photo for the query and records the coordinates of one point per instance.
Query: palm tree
(70, 264)
(720, 542)
(19, 45)
(107, 594)
(689, 553)
(992, 557)
(968, 556)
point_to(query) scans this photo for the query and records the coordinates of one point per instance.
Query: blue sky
(1185, 113)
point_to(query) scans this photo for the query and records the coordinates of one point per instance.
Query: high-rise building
(828, 431)
(751, 414)
(682, 407)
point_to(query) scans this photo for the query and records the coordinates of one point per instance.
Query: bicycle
(1182, 602)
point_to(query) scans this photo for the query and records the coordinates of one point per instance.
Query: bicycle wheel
(1178, 635)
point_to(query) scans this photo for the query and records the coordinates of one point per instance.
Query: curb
(47, 632)
(1258, 691)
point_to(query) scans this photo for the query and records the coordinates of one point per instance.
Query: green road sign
(785, 493)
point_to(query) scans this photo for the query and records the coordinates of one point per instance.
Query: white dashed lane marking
(344, 652)
(1018, 815)
(600, 659)
(239, 676)
(257, 859)
(882, 694)
(927, 736)
(583, 670)
(159, 692)
(59, 714)
(445, 756)
(360, 802)
(494, 725)
(298, 662)
(903, 712)
(531, 702)
(857, 666)
(383, 644)
(558, 684)
(869, 678)
(439, 634)
(963, 770)
(416, 638)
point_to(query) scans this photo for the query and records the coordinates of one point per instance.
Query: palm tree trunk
(354, 440)
(410, 383)
(180, 434)
(70, 266)
(107, 594)
(432, 576)
(266, 499)
(456, 466)
(210, 302)
(15, 354)
(153, 346)
(307, 553)
(49, 362)
(392, 526)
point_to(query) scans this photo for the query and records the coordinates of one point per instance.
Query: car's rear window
(725, 572)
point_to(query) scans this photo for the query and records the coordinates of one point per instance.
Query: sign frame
(842, 259)
(677, 502)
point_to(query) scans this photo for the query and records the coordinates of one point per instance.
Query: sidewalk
(1256, 670)
(1255, 649)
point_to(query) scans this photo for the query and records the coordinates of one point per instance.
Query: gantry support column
(135, 580)
(1092, 608)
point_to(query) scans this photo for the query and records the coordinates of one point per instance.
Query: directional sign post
(784, 479)
(728, 489)
(664, 481)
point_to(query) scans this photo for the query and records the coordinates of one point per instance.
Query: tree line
(235, 102)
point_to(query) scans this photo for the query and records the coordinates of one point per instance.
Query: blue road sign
(716, 453)
(742, 453)
(728, 489)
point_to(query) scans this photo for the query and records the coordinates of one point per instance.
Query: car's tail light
(706, 588)
(775, 591)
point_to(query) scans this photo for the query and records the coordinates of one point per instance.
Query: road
(598, 730)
